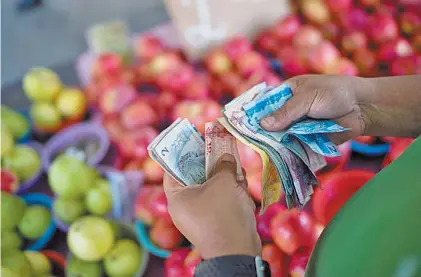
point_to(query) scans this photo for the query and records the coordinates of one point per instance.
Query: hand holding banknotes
(323, 97)
(217, 216)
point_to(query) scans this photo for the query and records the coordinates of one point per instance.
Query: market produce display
(127, 102)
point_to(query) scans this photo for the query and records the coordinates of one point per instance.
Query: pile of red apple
(365, 38)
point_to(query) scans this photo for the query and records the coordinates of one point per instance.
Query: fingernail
(268, 121)
(228, 158)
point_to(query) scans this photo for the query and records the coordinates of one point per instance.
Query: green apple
(24, 161)
(68, 210)
(70, 177)
(40, 264)
(90, 238)
(10, 240)
(5, 272)
(17, 263)
(7, 141)
(35, 222)
(124, 259)
(41, 84)
(102, 183)
(45, 116)
(12, 210)
(16, 122)
(98, 201)
(79, 268)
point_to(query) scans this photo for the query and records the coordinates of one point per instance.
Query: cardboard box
(203, 24)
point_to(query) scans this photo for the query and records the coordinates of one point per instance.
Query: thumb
(295, 108)
(226, 164)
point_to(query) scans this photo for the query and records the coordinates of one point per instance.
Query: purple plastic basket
(106, 171)
(72, 135)
(28, 184)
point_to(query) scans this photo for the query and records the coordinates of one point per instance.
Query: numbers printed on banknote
(289, 157)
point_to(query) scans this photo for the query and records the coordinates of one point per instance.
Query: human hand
(323, 97)
(217, 217)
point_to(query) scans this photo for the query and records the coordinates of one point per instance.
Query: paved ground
(53, 34)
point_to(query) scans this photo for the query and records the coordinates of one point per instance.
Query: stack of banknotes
(290, 157)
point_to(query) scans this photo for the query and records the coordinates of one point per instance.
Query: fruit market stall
(81, 196)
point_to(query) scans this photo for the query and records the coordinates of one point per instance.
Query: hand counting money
(290, 157)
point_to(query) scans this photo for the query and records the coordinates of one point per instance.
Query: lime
(35, 222)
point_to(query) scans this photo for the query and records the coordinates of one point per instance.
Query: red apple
(307, 37)
(383, 28)
(286, 29)
(389, 51)
(406, 65)
(317, 231)
(231, 81)
(166, 101)
(138, 114)
(164, 62)
(398, 146)
(147, 46)
(284, 233)
(388, 139)
(144, 74)
(263, 221)
(276, 260)
(410, 22)
(305, 227)
(159, 206)
(337, 6)
(354, 40)
(143, 204)
(9, 181)
(330, 31)
(343, 66)
(365, 139)
(114, 127)
(255, 186)
(298, 263)
(365, 61)
(272, 79)
(354, 19)
(165, 236)
(284, 51)
(133, 165)
(198, 112)
(134, 144)
(250, 63)
(250, 159)
(191, 261)
(107, 65)
(177, 79)
(294, 64)
(237, 47)
(116, 98)
(323, 56)
(153, 173)
(198, 89)
(337, 189)
(316, 11)
(217, 62)
(174, 264)
(267, 42)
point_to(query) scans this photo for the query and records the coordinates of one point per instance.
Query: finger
(348, 121)
(171, 185)
(295, 108)
(226, 165)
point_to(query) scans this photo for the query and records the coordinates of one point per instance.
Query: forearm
(391, 106)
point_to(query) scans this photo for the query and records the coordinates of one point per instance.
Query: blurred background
(88, 84)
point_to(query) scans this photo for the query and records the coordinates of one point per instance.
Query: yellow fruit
(41, 84)
(45, 115)
(71, 102)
